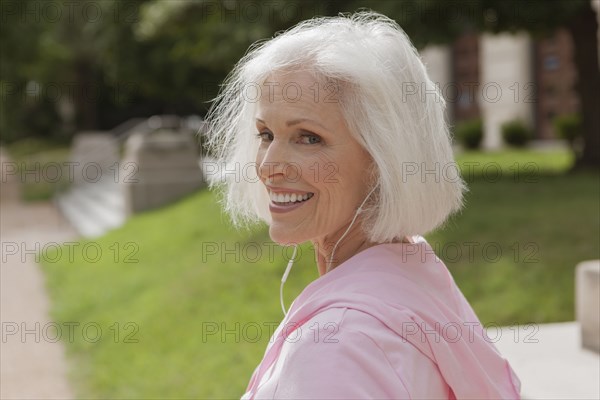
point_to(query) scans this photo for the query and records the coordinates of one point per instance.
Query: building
(504, 77)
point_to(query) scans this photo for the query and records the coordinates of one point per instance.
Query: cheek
(335, 190)
(320, 170)
(349, 181)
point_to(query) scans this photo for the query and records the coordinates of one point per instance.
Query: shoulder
(409, 275)
(347, 353)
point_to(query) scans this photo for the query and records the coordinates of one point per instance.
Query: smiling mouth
(287, 199)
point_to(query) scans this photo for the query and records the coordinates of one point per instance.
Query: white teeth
(289, 198)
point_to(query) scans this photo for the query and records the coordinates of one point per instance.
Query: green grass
(520, 165)
(176, 293)
(514, 248)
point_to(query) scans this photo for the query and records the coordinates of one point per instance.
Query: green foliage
(20, 44)
(568, 127)
(145, 57)
(516, 133)
(470, 133)
(136, 58)
(190, 47)
(54, 62)
(441, 21)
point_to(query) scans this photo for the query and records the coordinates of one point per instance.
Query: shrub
(568, 127)
(516, 133)
(470, 133)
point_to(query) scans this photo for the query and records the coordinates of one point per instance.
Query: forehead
(300, 91)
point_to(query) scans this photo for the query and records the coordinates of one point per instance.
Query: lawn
(181, 320)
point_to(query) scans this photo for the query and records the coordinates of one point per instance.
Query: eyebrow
(296, 122)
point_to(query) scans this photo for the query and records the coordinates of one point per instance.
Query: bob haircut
(390, 105)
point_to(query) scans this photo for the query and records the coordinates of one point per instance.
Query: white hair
(390, 105)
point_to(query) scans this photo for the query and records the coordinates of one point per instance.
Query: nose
(274, 162)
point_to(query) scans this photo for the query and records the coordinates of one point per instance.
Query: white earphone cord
(284, 278)
(349, 226)
(291, 262)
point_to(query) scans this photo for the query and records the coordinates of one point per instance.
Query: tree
(192, 46)
(170, 56)
(442, 21)
(20, 40)
(584, 28)
(59, 56)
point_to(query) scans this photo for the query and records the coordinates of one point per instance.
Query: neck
(353, 243)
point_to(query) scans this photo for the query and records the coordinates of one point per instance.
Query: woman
(351, 157)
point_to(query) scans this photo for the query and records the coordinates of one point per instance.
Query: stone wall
(158, 168)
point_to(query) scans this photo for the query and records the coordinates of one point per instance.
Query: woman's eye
(265, 136)
(310, 139)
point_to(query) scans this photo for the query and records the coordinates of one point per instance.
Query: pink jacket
(389, 322)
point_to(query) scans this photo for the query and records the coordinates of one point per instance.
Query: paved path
(31, 366)
(550, 362)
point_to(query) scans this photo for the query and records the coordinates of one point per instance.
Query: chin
(284, 237)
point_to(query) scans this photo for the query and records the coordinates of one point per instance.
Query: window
(551, 63)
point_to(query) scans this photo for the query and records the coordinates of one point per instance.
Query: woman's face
(315, 171)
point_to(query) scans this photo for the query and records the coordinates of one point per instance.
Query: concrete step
(550, 361)
(94, 208)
